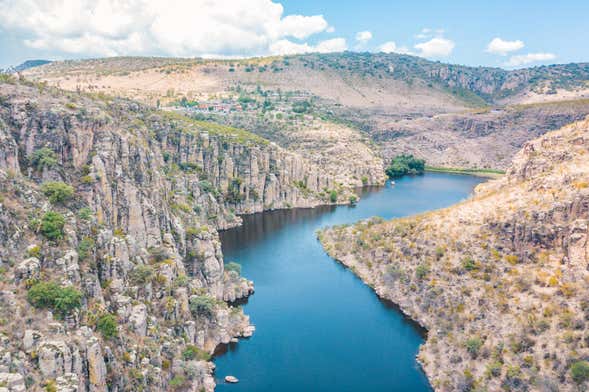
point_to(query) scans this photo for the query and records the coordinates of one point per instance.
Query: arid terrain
(499, 280)
(452, 115)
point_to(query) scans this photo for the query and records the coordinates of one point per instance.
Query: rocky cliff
(111, 270)
(500, 280)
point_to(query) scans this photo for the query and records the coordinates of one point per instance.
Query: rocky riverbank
(499, 280)
(111, 270)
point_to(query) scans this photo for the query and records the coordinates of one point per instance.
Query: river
(318, 327)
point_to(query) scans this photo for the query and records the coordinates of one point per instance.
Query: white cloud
(426, 33)
(502, 47)
(284, 47)
(160, 27)
(524, 59)
(391, 47)
(363, 36)
(435, 47)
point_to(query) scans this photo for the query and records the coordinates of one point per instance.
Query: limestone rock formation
(113, 277)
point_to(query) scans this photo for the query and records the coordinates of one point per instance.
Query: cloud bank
(164, 27)
(524, 59)
(502, 47)
(435, 47)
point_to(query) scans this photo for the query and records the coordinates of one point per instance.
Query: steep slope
(111, 270)
(500, 280)
(484, 138)
(405, 104)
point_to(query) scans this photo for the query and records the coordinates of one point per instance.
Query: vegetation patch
(50, 295)
(403, 165)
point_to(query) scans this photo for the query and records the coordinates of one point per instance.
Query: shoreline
(486, 173)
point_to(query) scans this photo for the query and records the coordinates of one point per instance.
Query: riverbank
(296, 281)
(487, 173)
(473, 272)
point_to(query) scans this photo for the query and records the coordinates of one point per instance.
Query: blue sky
(525, 33)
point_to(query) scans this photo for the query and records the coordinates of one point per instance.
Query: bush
(202, 305)
(52, 225)
(107, 326)
(192, 352)
(57, 191)
(85, 247)
(421, 271)
(141, 275)
(178, 382)
(44, 157)
(85, 214)
(473, 345)
(233, 266)
(405, 164)
(333, 196)
(52, 296)
(469, 264)
(580, 371)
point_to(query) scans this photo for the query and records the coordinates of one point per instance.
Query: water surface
(319, 328)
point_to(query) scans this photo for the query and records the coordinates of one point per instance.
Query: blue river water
(318, 327)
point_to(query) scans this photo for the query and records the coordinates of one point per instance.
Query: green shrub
(333, 196)
(52, 296)
(107, 326)
(233, 266)
(192, 352)
(52, 224)
(85, 247)
(178, 382)
(494, 369)
(202, 305)
(473, 345)
(57, 191)
(580, 371)
(141, 274)
(85, 213)
(405, 164)
(469, 264)
(44, 157)
(422, 271)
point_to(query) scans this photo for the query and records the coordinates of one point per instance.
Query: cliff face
(111, 270)
(500, 280)
(482, 139)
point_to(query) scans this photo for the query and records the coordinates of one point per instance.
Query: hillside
(111, 269)
(499, 280)
(399, 103)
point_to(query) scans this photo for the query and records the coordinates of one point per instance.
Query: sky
(509, 34)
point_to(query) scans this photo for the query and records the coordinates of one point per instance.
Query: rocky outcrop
(499, 280)
(138, 295)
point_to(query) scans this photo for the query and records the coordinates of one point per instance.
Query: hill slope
(500, 280)
(403, 103)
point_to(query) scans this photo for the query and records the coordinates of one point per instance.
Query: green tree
(202, 305)
(333, 196)
(107, 326)
(580, 371)
(44, 157)
(52, 224)
(403, 165)
(57, 191)
(52, 296)
(233, 266)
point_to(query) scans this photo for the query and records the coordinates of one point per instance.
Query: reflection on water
(318, 327)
